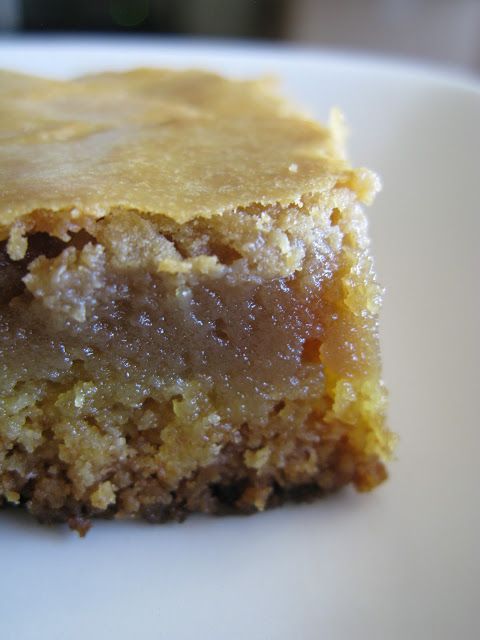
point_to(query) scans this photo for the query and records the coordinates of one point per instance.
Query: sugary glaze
(188, 308)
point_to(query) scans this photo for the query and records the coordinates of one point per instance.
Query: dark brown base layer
(234, 498)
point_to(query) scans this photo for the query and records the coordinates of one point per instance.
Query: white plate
(400, 563)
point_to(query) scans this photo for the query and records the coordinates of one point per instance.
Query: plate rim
(287, 51)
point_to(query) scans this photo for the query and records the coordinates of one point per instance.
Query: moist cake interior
(124, 381)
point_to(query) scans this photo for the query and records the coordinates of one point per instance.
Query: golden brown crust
(183, 144)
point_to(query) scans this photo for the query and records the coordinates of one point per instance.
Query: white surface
(400, 563)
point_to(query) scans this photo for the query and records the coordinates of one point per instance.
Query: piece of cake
(188, 307)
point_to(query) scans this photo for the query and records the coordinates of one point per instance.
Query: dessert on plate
(188, 306)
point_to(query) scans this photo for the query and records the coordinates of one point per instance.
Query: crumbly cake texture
(188, 307)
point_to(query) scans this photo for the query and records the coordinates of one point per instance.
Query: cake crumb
(257, 459)
(13, 497)
(104, 495)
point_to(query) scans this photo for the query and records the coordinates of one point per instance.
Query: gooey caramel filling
(146, 360)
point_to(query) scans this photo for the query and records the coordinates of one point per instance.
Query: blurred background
(441, 31)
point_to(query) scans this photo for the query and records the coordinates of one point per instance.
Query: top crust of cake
(184, 144)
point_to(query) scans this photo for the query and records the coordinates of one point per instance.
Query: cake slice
(188, 306)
